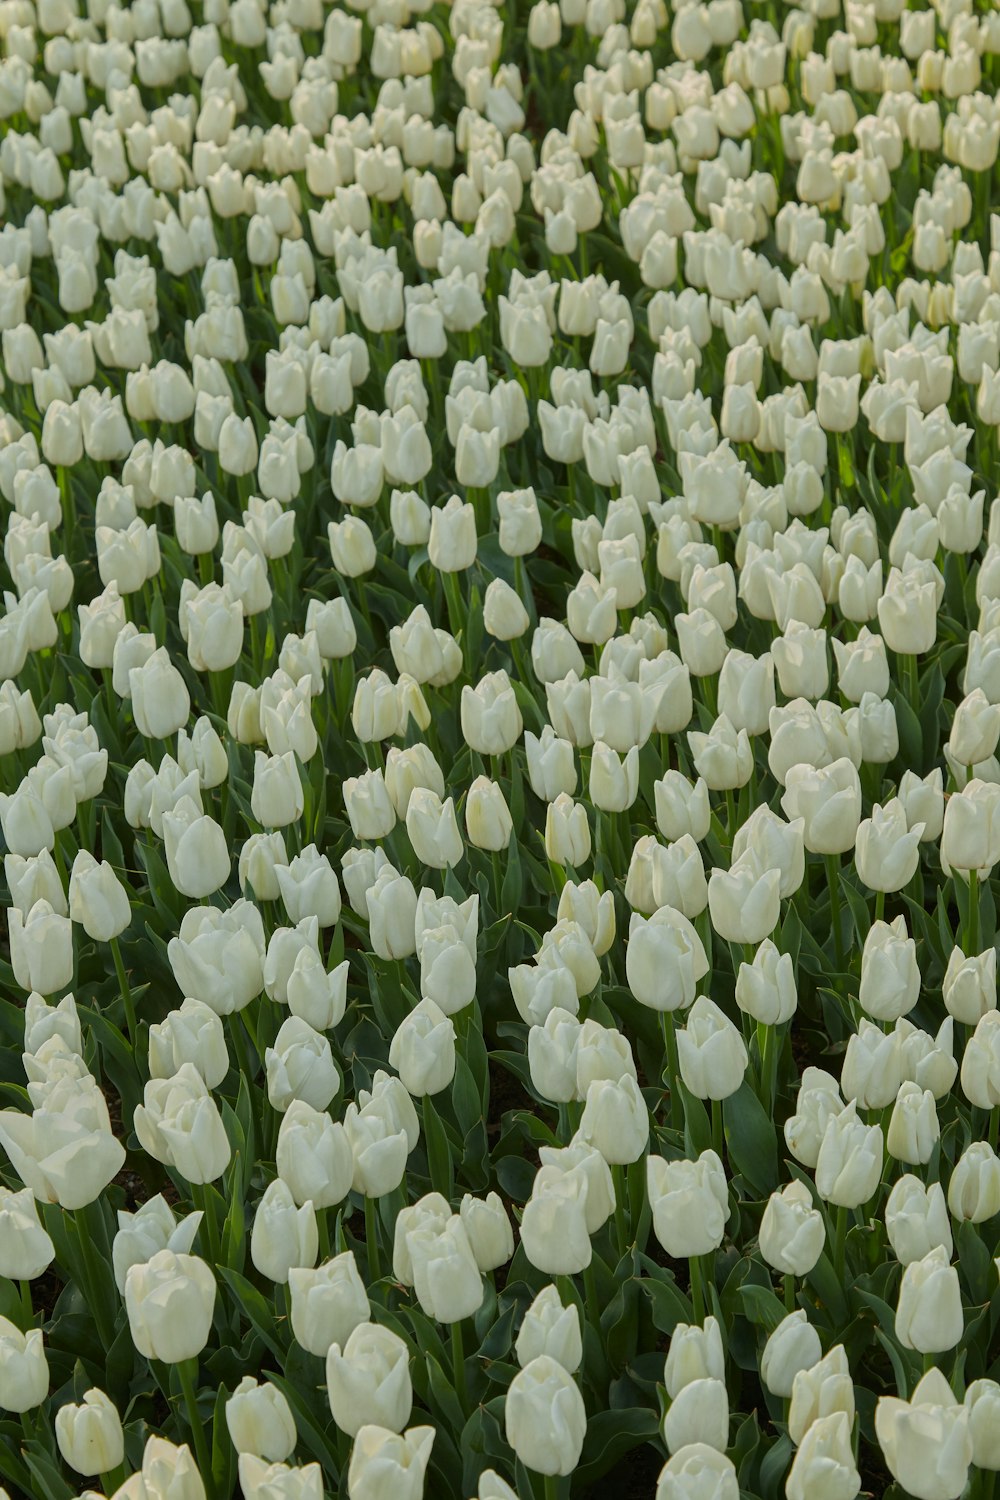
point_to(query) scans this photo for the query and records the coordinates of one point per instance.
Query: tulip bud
(982, 1398)
(550, 1328)
(696, 1470)
(384, 1464)
(545, 1420)
(368, 1381)
(260, 1421)
(980, 1075)
(824, 1463)
(712, 1055)
(849, 1163)
(929, 1308)
(24, 1370)
(916, 1219)
(792, 1232)
(820, 1391)
(488, 1229)
(283, 1235)
(664, 960)
(890, 978)
(487, 817)
(170, 1301)
(974, 1189)
(793, 1346)
(926, 1442)
(970, 985)
(913, 1128)
(690, 1203)
(699, 1413)
(422, 1049)
(328, 1303)
(25, 1248)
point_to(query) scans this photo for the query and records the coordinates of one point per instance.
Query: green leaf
(610, 1435)
(750, 1139)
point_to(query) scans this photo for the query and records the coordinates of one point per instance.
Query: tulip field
(499, 749)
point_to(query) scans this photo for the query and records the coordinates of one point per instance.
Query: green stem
(621, 1223)
(697, 1289)
(95, 1274)
(971, 940)
(790, 1293)
(833, 880)
(840, 1246)
(371, 1240)
(202, 1196)
(458, 1363)
(187, 1369)
(673, 1068)
(879, 906)
(590, 1289)
(113, 1480)
(123, 985)
(718, 1139)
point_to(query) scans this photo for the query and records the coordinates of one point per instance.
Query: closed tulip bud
(260, 1421)
(982, 1399)
(383, 1463)
(916, 1219)
(160, 699)
(193, 1034)
(820, 1391)
(554, 1230)
(544, 1417)
(849, 1164)
(823, 1467)
(744, 902)
(423, 1050)
(887, 851)
(969, 986)
(179, 1124)
(723, 757)
(551, 1329)
(926, 1442)
(873, 1066)
(276, 798)
(975, 730)
(97, 899)
(792, 1232)
(392, 906)
(90, 1436)
(664, 960)
(567, 832)
(681, 808)
(141, 1234)
(488, 1229)
(793, 1346)
(24, 1370)
(368, 807)
(352, 546)
(328, 1303)
(446, 1278)
(615, 1119)
(170, 1301)
(712, 1054)
(487, 817)
(260, 1480)
(980, 1074)
(504, 615)
(197, 851)
(913, 1128)
(283, 1235)
(25, 1248)
(699, 1413)
(433, 830)
(829, 803)
(974, 1189)
(690, 1203)
(890, 978)
(313, 1156)
(218, 956)
(929, 1308)
(697, 1470)
(491, 719)
(368, 1380)
(300, 1065)
(452, 542)
(41, 949)
(765, 988)
(694, 1354)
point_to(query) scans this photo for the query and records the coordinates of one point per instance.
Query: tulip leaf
(773, 1467)
(257, 1308)
(750, 1139)
(668, 1303)
(610, 1435)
